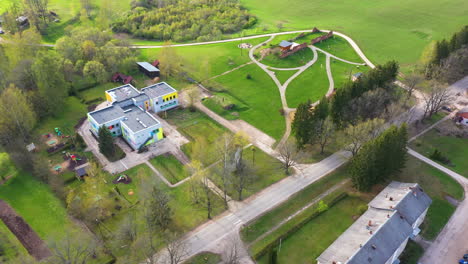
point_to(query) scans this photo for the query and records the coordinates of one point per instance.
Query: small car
(446, 108)
(464, 260)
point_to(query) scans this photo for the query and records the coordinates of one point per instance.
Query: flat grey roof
(148, 66)
(136, 119)
(123, 92)
(107, 114)
(159, 89)
(141, 97)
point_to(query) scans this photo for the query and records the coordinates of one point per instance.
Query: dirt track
(25, 234)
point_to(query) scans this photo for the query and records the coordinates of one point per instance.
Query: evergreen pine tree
(301, 126)
(106, 143)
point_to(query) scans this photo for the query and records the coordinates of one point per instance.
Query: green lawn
(260, 94)
(342, 72)
(437, 185)
(204, 258)
(384, 29)
(299, 200)
(311, 84)
(196, 126)
(73, 110)
(319, 233)
(283, 76)
(170, 167)
(339, 47)
(296, 60)
(412, 253)
(219, 101)
(454, 148)
(10, 246)
(203, 62)
(266, 171)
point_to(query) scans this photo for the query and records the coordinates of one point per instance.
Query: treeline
(354, 118)
(183, 20)
(35, 82)
(379, 158)
(447, 58)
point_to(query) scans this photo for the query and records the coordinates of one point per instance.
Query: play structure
(122, 178)
(58, 132)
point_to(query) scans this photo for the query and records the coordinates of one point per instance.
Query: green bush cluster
(183, 20)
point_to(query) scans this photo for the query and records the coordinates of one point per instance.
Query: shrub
(438, 156)
(249, 77)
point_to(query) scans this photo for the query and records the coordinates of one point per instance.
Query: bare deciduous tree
(72, 249)
(412, 80)
(225, 146)
(232, 254)
(325, 129)
(288, 154)
(176, 248)
(434, 98)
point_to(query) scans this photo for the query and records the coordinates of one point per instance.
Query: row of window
(169, 98)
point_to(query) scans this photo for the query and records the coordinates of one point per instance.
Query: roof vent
(391, 198)
(370, 232)
(374, 247)
(370, 223)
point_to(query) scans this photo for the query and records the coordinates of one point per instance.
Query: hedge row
(290, 227)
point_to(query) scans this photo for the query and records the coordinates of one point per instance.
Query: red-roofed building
(119, 77)
(462, 116)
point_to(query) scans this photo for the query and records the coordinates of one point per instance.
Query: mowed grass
(204, 258)
(319, 233)
(297, 59)
(342, 72)
(384, 30)
(206, 61)
(10, 246)
(311, 85)
(299, 200)
(339, 47)
(437, 185)
(38, 206)
(283, 76)
(65, 119)
(265, 171)
(260, 94)
(170, 167)
(454, 148)
(200, 130)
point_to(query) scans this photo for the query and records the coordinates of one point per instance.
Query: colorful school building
(128, 113)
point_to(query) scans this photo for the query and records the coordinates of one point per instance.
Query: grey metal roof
(147, 66)
(391, 214)
(157, 90)
(81, 171)
(123, 92)
(107, 114)
(285, 44)
(384, 242)
(137, 119)
(409, 199)
(463, 110)
(359, 74)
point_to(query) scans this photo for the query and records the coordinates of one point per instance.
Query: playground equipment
(130, 192)
(58, 132)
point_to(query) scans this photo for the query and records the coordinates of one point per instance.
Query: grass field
(197, 127)
(384, 29)
(170, 167)
(204, 258)
(266, 171)
(319, 233)
(339, 47)
(454, 148)
(342, 72)
(311, 84)
(283, 76)
(260, 94)
(273, 217)
(298, 59)
(412, 253)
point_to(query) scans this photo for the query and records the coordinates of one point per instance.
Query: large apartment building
(128, 113)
